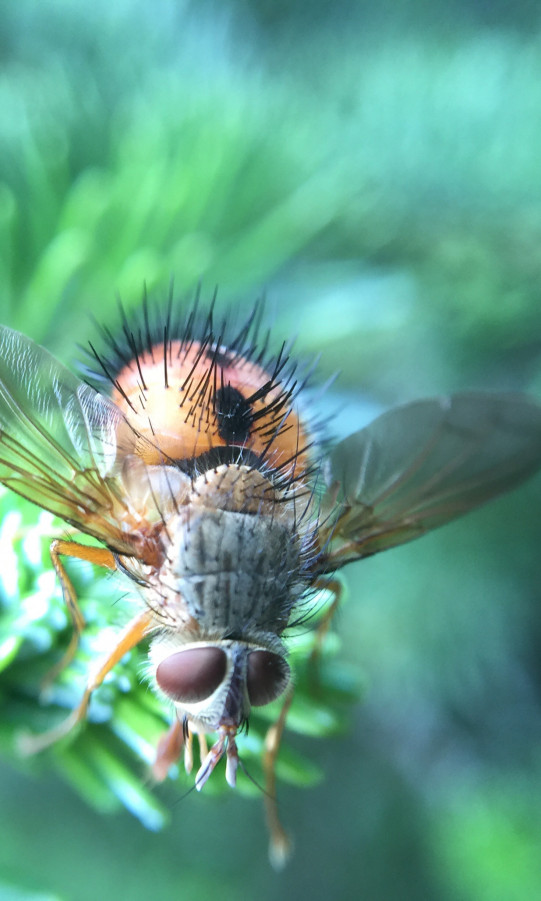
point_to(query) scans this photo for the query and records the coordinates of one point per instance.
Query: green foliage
(489, 842)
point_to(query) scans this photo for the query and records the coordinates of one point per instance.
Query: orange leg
(203, 746)
(96, 555)
(280, 845)
(134, 632)
(336, 588)
(169, 748)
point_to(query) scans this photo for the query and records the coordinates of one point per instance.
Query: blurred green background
(374, 169)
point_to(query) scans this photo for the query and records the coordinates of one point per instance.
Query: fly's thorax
(215, 684)
(232, 564)
(156, 492)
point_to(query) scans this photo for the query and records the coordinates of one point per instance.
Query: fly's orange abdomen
(190, 398)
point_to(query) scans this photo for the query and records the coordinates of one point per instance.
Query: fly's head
(213, 686)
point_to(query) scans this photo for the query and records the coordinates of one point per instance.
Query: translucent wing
(421, 465)
(61, 443)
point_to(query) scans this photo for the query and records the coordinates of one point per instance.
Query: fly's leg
(99, 557)
(169, 749)
(336, 588)
(134, 632)
(203, 746)
(170, 746)
(280, 844)
(188, 748)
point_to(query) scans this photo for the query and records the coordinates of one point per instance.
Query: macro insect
(185, 451)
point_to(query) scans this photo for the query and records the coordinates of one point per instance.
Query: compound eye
(267, 677)
(192, 675)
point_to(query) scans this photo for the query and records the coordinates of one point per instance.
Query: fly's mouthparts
(224, 744)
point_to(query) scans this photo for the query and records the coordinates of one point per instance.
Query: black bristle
(165, 340)
(148, 339)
